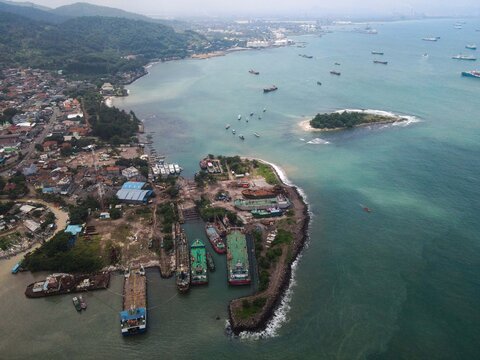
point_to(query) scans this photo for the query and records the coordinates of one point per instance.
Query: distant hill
(91, 47)
(26, 4)
(86, 9)
(31, 12)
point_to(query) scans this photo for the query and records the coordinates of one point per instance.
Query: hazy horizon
(309, 8)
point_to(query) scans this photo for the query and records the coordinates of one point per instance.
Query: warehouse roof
(133, 194)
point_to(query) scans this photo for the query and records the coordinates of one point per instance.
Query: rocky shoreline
(276, 292)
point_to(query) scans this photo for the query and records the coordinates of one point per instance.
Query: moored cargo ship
(133, 318)
(238, 269)
(198, 258)
(270, 212)
(182, 273)
(270, 89)
(215, 239)
(62, 283)
(262, 204)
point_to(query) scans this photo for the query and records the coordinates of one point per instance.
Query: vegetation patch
(338, 120)
(266, 172)
(250, 308)
(58, 254)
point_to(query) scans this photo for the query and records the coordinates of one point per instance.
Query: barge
(133, 318)
(62, 283)
(198, 268)
(238, 268)
(182, 259)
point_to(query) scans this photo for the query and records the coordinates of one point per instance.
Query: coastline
(394, 118)
(273, 314)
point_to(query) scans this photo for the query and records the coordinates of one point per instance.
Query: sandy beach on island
(392, 118)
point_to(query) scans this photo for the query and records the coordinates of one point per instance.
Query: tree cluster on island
(346, 119)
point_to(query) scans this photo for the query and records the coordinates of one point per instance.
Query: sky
(285, 7)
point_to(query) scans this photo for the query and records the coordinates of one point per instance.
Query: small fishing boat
(210, 262)
(233, 131)
(76, 303)
(227, 127)
(251, 114)
(319, 83)
(256, 134)
(264, 109)
(83, 303)
(241, 137)
(239, 117)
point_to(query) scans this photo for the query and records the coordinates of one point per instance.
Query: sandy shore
(208, 55)
(392, 118)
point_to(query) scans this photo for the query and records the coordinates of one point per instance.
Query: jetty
(133, 318)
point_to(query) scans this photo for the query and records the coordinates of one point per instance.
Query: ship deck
(135, 291)
(237, 249)
(260, 203)
(198, 257)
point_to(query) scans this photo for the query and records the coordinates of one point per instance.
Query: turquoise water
(400, 282)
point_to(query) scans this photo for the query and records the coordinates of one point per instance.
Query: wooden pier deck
(135, 291)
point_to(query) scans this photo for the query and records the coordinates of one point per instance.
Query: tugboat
(76, 303)
(83, 303)
(210, 262)
(270, 89)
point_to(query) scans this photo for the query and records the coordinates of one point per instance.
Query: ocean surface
(401, 282)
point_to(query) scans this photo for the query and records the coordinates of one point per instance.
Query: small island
(347, 119)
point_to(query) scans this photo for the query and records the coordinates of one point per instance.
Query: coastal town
(71, 189)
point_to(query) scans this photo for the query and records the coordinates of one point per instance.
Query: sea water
(398, 282)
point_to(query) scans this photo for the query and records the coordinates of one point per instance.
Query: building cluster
(24, 224)
(29, 98)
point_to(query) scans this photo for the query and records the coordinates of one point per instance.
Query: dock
(133, 318)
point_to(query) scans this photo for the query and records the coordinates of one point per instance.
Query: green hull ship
(198, 267)
(238, 267)
(262, 204)
(272, 212)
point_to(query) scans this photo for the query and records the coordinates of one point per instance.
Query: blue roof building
(133, 185)
(74, 230)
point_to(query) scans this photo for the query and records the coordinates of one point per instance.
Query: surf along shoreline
(272, 315)
(387, 118)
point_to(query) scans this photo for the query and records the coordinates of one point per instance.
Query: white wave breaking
(318, 141)
(280, 316)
